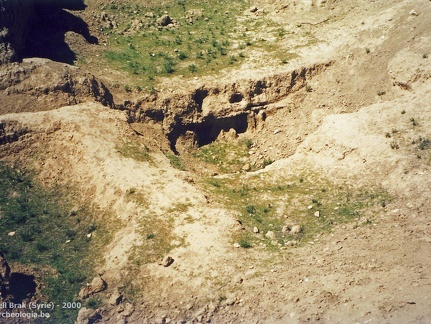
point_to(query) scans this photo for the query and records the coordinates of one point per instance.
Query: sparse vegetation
(176, 161)
(138, 152)
(227, 156)
(47, 236)
(423, 143)
(336, 204)
(245, 244)
(93, 303)
(394, 145)
(204, 45)
(381, 93)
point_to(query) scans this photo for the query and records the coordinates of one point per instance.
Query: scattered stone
(246, 167)
(164, 20)
(68, 241)
(414, 13)
(296, 229)
(317, 213)
(115, 298)
(166, 261)
(11, 233)
(277, 131)
(231, 134)
(128, 310)
(86, 315)
(255, 230)
(270, 235)
(89, 235)
(310, 207)
(285, 229)
(236, 245)
(253, 9)
(98, 284)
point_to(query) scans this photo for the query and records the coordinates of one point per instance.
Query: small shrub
(91, 228)
(413, 121)
(249, 143)
(222, 298)
(267, 162)
(93, 303)
(169, 67)
(388, 135)
(425, 56)
(127, 88)
(176, 162)
(424, 143)
(308, 88)
(151, 236)
(245, 244)
(250, 209)
(182, 56)
(403, 112)
(215, 183)
(192, 68)
(381, 93)
(395, 146)
(367, 50)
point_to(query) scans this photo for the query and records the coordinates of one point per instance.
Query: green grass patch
(270, 206)
(176, 161)
(48, 237)
(227, 156)
(134, 151)
(206, 38)
(157, 236)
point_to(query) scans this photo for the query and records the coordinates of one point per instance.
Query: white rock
(166, 261)
(317, 214)
(310, 207)
(246, 167)
(296, 229)
(11, 233)
(236, 245)
(270, 235)
(255, 230)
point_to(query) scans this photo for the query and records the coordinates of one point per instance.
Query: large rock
(96, 285)
(296, 229)
(87, 315)
(164, 20)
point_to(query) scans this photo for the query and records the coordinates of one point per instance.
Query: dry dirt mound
(40, 84)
